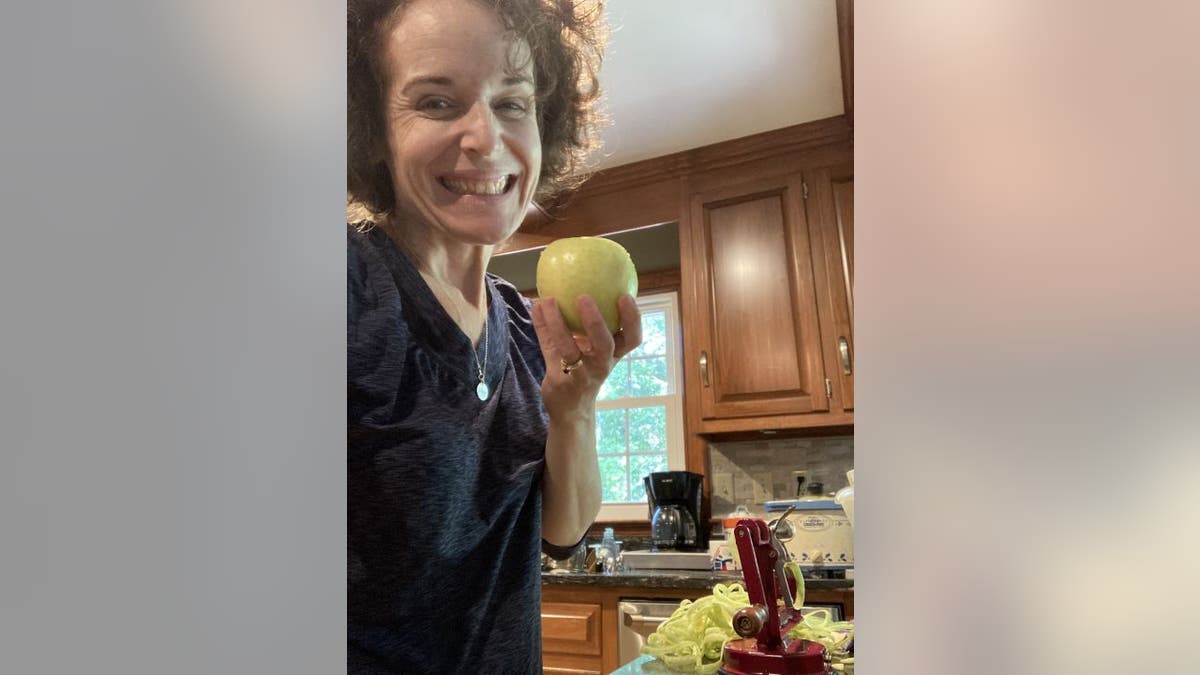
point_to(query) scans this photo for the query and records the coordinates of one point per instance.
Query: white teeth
(476, 187)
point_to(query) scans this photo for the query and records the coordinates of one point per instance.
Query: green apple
(595, 266)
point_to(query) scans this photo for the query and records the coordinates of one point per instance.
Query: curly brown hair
(566, 39)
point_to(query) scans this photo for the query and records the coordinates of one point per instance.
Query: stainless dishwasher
(640, 617)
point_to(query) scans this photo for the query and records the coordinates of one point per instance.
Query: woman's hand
(576, 366)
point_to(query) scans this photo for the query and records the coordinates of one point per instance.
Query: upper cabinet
(755, 325)
(831, 205)
(768, 335)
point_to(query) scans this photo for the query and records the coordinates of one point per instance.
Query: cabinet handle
(704, 367)
(844, 348)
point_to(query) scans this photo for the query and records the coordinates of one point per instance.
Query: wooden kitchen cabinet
(578, 630)
(769, 318)
(830, 204)
(758, 334)
(571, 637)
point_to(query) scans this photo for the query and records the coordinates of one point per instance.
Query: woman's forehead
(432, 35)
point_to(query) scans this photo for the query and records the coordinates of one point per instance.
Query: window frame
(668, 303)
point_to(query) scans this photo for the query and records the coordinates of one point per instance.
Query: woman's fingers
(597, 349)
(599, 340)
(630, 336)
(552, 332)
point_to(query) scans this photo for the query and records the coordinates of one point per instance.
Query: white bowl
(845, 497)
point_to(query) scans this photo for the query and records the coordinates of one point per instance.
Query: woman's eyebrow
(440, 80)
(443, 81)
(513, 80)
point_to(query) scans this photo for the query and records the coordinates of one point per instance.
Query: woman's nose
(481, 131)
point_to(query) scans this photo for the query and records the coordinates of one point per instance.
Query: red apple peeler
(764, 648)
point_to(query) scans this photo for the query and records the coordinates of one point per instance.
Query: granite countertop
(682, 579)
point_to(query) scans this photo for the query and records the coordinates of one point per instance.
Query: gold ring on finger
(568, 367)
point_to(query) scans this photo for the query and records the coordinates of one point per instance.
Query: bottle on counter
(578, 560)
(609, 552)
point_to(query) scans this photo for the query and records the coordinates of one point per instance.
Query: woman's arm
(571, 479)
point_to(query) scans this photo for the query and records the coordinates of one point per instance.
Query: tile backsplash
(753, 472)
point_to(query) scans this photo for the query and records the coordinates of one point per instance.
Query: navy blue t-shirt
(444, 490)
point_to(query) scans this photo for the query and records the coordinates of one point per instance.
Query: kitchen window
(639, 412)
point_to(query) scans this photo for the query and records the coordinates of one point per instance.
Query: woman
(467, 454)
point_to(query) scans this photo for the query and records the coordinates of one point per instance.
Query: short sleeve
(560, 552)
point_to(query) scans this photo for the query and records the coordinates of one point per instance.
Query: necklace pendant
(482, 391)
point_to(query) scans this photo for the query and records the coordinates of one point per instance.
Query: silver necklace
(481, 389)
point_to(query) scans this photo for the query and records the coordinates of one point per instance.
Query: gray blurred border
(1027, 440)
(172, 483)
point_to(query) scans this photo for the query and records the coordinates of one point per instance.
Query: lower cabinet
(580, 627)
(571, 637)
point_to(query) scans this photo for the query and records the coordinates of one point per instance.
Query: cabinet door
(760, 346)
(571, 628)
(831, 216)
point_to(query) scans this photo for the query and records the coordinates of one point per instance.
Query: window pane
(654, 335)
(614, 479)
(617, 384)
(648, 377)
(648, 429)
(610, 431)
(641, 466)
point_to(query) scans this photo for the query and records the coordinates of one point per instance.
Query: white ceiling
(680, 74)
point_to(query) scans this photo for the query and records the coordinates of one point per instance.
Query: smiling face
(459, 109)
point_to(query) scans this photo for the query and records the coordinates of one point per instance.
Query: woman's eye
(513, 108)
(434, 105)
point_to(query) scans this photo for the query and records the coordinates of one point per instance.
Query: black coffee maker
(675, 513)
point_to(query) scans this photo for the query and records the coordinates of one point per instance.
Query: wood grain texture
(842, 284)
(658, 281)
(831, 213)
(648, 282)
(523, 241)
(751, 294)
(832, 421)
(695, 294)
(788, 429)
(557, 670)
(591, 212)
(843, 200)
(605, 600)
(757, 321)
(554, 670)
(787, 141)
(645, 193)
(571, 628)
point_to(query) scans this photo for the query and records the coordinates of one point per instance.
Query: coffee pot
(674, 499)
